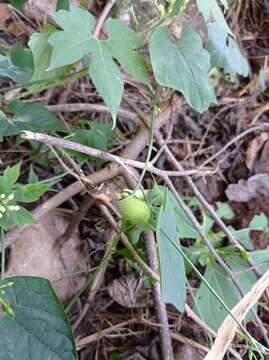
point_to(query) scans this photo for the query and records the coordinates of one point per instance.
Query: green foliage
(210, 8)
(207, 305)
(177, 6)
(12, 194)
(11, 71)
(27, 116)
(21, 57)
(225, 211)
(171, 263)
(99, 136)
(37, 327)
(63, 4)
(75, 41)
(182, 65)
(18, 4)
(224, 51)
(71, 44)
(258, 223)
(261, 259)
(41, 51)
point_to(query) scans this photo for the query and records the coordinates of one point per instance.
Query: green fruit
(135, 211)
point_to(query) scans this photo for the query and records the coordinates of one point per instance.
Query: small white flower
(2, 196)
(13, 208)
(10, 197)
(1, 215)
(2, 209)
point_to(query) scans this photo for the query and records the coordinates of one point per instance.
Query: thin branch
(54, 141)
(233, 141)
(84, 107)
(102, 18)
(160, 307)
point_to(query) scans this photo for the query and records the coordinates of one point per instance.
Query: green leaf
(208, 222)
(19, 75)
(224, 51)
(75, 41)
(32, 177)
(172, 271)
(259, 222)
(10, 177)
(21, 57)
(63, 4)
(207, 305)
(21, 217)
(193, 253)
(107, 79)
(4, 125)
(30, 192)
(184, 225)
(182, 65)
(210, 8)
(41, 50)
(225, 211)
(28, 116)
(177, 6)
(40, 328)
(5, 221)
(18, 4)
(243, 236)
(260, 258)
(123, 43)
(99, 136)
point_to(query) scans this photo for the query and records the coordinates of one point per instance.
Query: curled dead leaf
(246, 190)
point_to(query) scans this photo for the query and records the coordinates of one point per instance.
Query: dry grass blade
(228, 329)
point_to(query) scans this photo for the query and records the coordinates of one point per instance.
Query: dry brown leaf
(35, 253)
(5, 14)
(246, 190)
(187, 352)
(41, 9)
(18, 28)
(254, 148)
(127, 291)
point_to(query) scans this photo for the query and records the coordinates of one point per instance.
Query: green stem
(152, 125)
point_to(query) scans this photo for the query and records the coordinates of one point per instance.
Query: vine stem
(152, 126)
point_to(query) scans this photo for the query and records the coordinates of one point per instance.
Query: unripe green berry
(135, 211)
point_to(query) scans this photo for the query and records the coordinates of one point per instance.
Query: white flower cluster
(4, 201)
